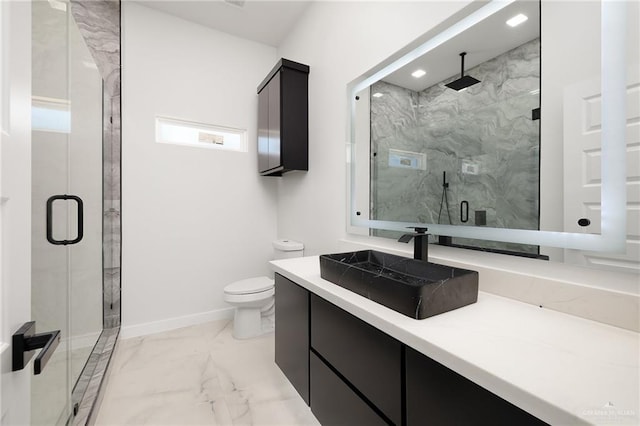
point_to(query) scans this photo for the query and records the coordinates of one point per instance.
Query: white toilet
(253, 297)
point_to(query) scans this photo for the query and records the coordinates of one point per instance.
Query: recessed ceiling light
(418, 73)
(377, 95)
(517, 20)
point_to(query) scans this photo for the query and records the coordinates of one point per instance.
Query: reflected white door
(582, 177)
(15, 207)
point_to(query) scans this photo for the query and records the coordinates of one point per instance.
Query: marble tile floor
(199, 375)
(49, 390)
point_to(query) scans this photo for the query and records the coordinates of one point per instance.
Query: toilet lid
(250, 285)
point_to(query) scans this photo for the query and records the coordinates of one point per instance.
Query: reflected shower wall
(485, 139)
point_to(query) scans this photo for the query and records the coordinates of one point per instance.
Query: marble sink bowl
(414, 288)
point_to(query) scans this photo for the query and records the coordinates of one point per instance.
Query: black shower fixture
(465, 80)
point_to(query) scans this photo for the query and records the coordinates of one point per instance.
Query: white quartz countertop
(563, 369)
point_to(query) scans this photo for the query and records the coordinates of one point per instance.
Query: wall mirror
(530, 159)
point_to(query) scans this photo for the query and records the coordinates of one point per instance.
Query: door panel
(50, 138)
(15, 203)
(582, 136)
(67, 159)
(274, 121)
(263, 129)
(85, 181)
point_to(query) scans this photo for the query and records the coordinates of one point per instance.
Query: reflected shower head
(462, 82)
(465, 80)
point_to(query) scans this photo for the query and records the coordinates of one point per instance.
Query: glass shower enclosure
(71, 118)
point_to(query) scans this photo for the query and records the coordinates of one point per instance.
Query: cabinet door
(263, 130)
(334, 403)
(294, 98)
(436, 395)
(368, 358)
(274, 121)
(292, 334)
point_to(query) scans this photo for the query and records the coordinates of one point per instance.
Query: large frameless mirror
(501, 134)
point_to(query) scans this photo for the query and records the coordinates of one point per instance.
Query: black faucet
(420, 240)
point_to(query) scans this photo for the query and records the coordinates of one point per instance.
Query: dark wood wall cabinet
(351, 373)
(283, 119)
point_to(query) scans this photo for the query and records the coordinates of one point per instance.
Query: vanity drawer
(334, 403)
(368, 358)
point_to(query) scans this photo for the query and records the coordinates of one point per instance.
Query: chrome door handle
(25, 341)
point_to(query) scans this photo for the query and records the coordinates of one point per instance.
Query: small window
(189, 133)
(50, 115)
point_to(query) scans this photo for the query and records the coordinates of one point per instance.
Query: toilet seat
(249, 299)
(250, 286)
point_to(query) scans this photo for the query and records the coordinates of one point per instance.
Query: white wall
(194, 219)
(339, 41)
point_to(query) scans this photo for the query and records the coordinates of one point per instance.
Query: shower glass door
(66, 291)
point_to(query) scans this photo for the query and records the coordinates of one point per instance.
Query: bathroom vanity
(497, 361)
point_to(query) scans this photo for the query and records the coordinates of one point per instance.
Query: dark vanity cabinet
(351, 373)
(283, 119)
(367, 360)
(292, 333)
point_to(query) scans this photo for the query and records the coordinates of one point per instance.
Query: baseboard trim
(127, 332)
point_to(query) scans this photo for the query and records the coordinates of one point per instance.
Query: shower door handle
(80, 233)
(25, 340)
(464, 211)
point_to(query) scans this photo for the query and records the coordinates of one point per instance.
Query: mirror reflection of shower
(468, 157)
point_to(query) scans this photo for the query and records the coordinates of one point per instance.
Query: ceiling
(482, 42)
(263, 21)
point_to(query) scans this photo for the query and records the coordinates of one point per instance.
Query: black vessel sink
(415, 288)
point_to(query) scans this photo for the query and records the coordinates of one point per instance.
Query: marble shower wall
(484, 138)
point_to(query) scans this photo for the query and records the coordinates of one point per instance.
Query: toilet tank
(285, 249)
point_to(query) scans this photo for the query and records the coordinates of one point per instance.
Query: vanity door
(439, 396)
